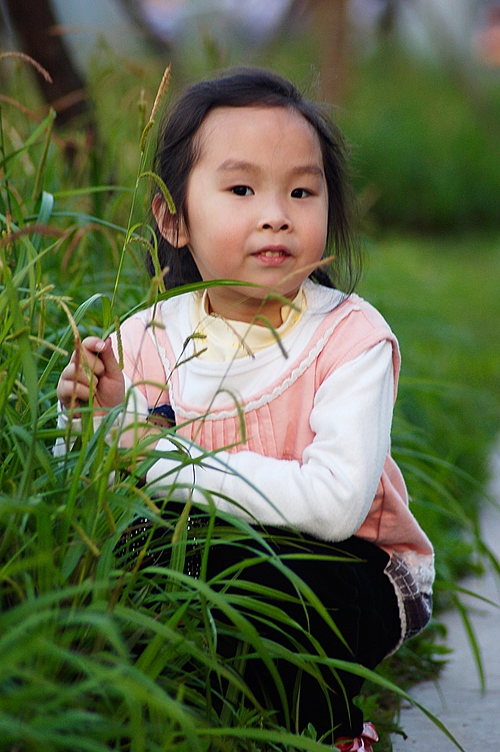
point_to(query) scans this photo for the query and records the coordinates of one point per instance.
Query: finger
(108, 358)
(88, 355)
(90, 346)
(71, 394)
(65, 391)
(75, 373)
(94, 344)
(75, 386)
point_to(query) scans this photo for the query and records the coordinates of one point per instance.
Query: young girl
(259, 179)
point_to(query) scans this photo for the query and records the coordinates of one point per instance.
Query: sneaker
(363, 742)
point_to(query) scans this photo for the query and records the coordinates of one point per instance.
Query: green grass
(96, 651)
(424, 138)
(440, 297)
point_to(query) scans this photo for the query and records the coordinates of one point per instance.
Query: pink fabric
(276, 421)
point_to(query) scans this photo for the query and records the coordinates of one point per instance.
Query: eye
(300, 193)
(241, 190)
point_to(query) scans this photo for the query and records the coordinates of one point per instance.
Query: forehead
(258, 131)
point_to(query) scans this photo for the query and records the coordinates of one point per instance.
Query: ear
(177, 236)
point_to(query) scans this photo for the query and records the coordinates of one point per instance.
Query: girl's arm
(330, 493)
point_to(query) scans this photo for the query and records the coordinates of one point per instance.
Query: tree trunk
(34, 24)
(331, 30)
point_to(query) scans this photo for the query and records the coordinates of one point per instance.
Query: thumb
(108, 359)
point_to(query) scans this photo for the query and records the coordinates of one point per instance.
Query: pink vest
(277, 420)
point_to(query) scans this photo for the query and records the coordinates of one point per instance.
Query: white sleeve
(61, 446)
(330, 493)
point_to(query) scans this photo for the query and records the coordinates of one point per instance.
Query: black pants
(361, 602)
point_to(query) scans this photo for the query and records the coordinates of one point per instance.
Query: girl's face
(256, 207)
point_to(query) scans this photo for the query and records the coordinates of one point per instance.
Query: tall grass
(105, 641)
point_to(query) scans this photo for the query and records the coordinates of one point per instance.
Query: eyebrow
(312, 169)
(231, 165)
(236, 165)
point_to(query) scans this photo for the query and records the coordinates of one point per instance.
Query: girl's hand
(92, 375)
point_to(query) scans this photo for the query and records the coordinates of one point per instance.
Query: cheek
(317, 230)
(324, 225)
(206, 219)
(223, 228)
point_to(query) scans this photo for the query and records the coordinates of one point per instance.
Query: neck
(250, 310)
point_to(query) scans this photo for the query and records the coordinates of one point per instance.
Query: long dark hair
(178, 150)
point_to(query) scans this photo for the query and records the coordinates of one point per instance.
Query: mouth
(272, 253)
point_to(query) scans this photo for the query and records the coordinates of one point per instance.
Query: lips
(273, 254)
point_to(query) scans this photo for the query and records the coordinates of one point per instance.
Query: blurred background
(415, 82)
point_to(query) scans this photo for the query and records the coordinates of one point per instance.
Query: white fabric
(200, 381)
(330, 494)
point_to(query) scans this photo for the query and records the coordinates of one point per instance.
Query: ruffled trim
(415, 605)
(277, 390)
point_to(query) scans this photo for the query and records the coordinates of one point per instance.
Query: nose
(274, 217)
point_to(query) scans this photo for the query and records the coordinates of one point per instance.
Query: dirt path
(472, 717)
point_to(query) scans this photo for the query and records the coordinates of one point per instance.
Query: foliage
(103, 645)
(423, 141)
(423, 130)
(440, 298)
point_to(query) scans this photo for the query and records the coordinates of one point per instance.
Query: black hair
(178, 150)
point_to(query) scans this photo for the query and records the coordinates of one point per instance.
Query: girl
(259, 179)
